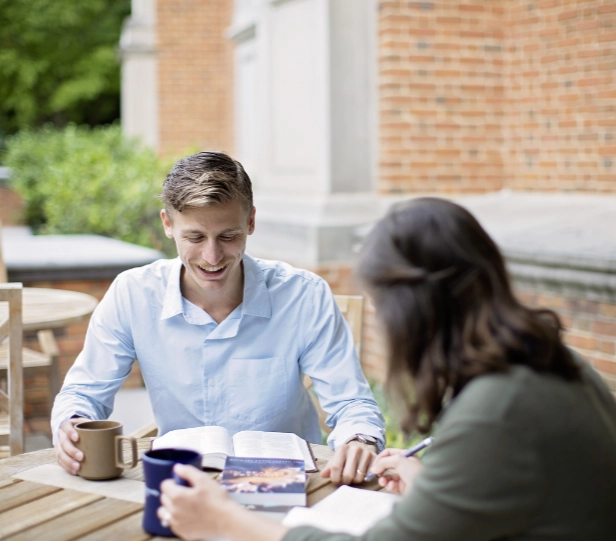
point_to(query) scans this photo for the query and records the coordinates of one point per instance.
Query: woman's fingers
(386, 461)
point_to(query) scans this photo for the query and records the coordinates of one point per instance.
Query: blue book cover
(265, 482)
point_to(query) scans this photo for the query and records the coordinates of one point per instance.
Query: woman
(525, 446)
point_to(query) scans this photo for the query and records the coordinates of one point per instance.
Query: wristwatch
(364, 438)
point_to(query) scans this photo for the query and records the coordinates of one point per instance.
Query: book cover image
(265, 481)
(277, 475)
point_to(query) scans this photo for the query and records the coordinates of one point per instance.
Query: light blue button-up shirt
(244, 373)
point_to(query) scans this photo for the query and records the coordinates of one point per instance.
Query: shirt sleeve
(480, 482)
(329, 358)
(104, 363)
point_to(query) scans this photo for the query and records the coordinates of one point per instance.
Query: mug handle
(120, 452)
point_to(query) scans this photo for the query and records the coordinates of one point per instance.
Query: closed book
(265, 483)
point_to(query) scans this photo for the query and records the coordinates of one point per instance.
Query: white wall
(305, 77)
(139, 98)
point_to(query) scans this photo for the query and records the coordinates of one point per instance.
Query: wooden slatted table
(45, 308)
(37, 503)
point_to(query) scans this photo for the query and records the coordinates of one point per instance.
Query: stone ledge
(594, 286)
(562, 242)
(30, 258)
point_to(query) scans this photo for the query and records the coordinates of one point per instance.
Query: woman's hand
(204, 510)
(197, 511)
(396, 472)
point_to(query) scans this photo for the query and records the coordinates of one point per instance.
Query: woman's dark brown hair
(442, 294)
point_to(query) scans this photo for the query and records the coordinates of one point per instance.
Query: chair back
(352, 308)
(12, 401)
(3, 273)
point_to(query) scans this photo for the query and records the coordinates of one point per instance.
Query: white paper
(348, 510)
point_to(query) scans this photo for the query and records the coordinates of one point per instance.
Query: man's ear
(167, 225)
(251, 221)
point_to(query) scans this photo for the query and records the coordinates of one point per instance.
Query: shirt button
(212, 383)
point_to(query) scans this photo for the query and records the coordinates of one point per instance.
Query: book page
(348, 510)
(203, 439)
(273, 445)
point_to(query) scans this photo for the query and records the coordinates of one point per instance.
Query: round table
(45, 308)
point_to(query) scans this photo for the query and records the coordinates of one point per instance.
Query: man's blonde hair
(206, 178)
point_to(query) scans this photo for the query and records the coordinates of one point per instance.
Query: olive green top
(517, 456)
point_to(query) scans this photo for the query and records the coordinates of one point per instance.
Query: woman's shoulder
(515, 396)
(489, 397)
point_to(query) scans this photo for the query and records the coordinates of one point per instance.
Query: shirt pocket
(257, 389)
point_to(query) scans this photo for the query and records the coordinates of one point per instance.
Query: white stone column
(306, 124)
(139, 99)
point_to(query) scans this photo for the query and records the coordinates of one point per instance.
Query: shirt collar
(172, 304)
(256, 301)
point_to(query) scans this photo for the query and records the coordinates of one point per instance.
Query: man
(222, 338)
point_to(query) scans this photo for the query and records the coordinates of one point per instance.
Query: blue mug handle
(179, 481)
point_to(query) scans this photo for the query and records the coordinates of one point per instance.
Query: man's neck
(217, 303)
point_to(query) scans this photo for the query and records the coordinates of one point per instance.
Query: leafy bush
(59, 62)
(82, 180)
(395, 437)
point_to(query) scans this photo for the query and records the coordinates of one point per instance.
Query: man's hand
(69, 457)
(350, 464)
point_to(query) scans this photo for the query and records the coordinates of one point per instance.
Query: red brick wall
(195, 70)
(590, 327)
(561, 92)
(480, 95)
(441, 96)
(11, 207)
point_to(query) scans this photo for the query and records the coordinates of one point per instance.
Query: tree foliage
(89, 180)
(59, 62)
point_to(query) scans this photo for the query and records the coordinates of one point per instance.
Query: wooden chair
(12, 399)
(3, 274)
(352, 308)
(49, 356)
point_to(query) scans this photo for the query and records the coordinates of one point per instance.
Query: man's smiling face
(211, 242)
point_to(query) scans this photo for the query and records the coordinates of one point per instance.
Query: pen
(410, 452)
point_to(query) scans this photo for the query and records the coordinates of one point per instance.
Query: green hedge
(89, 180)
(395, 436)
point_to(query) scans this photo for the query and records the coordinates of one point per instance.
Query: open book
(215, 444)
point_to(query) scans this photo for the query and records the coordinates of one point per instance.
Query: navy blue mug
(158, 466)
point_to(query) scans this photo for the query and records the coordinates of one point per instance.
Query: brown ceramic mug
(101, 445)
